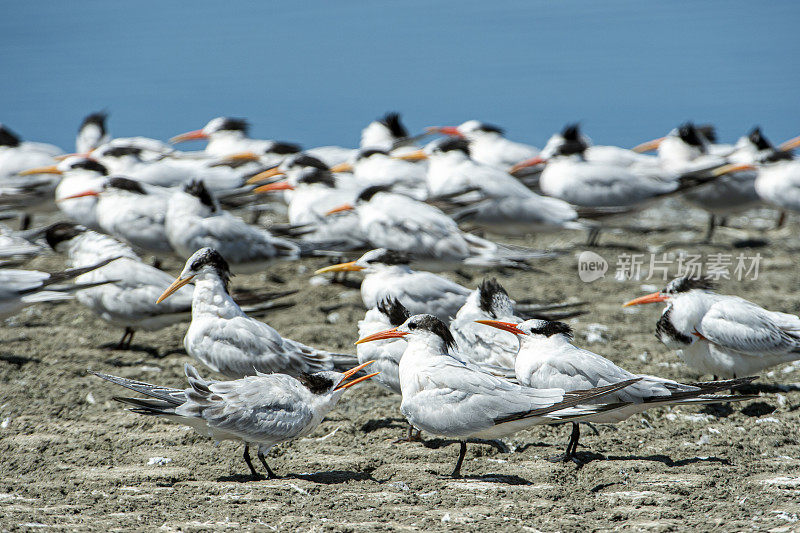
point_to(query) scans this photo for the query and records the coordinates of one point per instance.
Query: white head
(534, 330)
(424, 330)
(205, 263)
(92, 133)
(386, 133)
(371, 261)
(216, 127)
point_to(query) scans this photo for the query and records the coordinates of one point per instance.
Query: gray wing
(742, 326)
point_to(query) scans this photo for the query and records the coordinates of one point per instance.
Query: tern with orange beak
(722, 335)
(226, 340)
(17, 155)
(445, 396)
(547, 358)
(261, 410)
(488, 145)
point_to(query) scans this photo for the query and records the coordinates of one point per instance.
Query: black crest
(708, 131)
(435, 326)
(282, 148)
(686, 284)
(316, 383)
(305, 160)
(489, 290)
(758, 139)
(97, 119)
(235, 124)
(198, 189)
(394, 310)
(391, 257)
(90, 164)
(394, 124)
(778, 155)
(211, 257)
(367, 194)
(490, 128)
(571, 132)
(122, 151)
(8, 137)
(551, 327)
(455, 143)
(316, 175)
(363, 154)
(126, 184)
(60, 232)
(688, 134)
(573, 141)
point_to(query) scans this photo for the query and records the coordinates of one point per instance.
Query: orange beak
(527, 163)
(342, 167)
(381, 335)
(733, 167)
(444, 130)
(80, 195)
(177, 284)
(77, 154)
(791, 144)
(646, 299)
(52, 169)
(242, 156)
(341, 208)
(505, 326)
(649, 146)
(341, 267)
(416, 155)
(277, 186)
(263, 176)
(189, 136)
(343, 385)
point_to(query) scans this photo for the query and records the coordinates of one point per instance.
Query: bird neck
(211, 297)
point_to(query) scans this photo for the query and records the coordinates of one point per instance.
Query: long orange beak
(277, 186)
(505, 326)
(177, 284)
(527, 163)
(733, 167)
(381, 335)
(76, 154)
(241, 156)
(444, 130)
(52, 169)
(646, 299)
(791, 144)
(341, 208)
(649, 146)
(341, 267)
(262, 176)
(343, 385)
(342, 167)
(416, 155)
(189, 136)
(80, 195)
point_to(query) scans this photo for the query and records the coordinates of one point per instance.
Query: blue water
(317, 71)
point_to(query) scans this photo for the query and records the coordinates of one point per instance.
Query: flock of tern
(468, 363)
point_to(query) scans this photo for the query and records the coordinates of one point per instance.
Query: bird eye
(412, 325)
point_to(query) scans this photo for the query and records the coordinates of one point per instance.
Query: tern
(262, 410)
(487, 144)
(17, 155)
(445, 396)
(92, 132)
(722, 335)
(226, 340)
(388, 275)
(547, 358)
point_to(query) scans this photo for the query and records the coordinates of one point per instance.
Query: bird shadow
(435, 444)
(383, 423)
(18, 360)
(585, 458)
(504, 479)
(149, 350)
(334, 477)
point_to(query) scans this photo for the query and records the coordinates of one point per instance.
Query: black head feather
(122, 151)
(367, 194)
(455, 143)
(90, 164)
(686, 284)
(758, 139)
(571, 132)
(778, 155)
(391, 257)
(573, 140)
(282, 148)
(688, 134)
(97, 119)
(394, 124)
(235, 124)
(61, 232)
(489, 290)
(435, 326)
(316, 175)
(198, 189)
(8, 137)
(708, 131)
(126, 184)
(489, 128)
(211, 257)
(305, 160)
(394, 310)
(363, 154)
(552, 327)
(316, 383)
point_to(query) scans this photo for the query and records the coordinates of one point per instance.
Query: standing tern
(263, 410)
(388, 275)
(722, 335)
(226, 340)
(547, 358)
(445, 396)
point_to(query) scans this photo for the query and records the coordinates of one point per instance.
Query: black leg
(130, 339)
(122, 344)
(411, 436)
(270, 473)
(712, 224)
(25, 221)
(572, 446)
(781, 220)
(247, 460)
(457, 470)
(157, 263)
(594, 237)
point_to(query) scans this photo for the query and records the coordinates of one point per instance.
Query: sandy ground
(74, 459)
